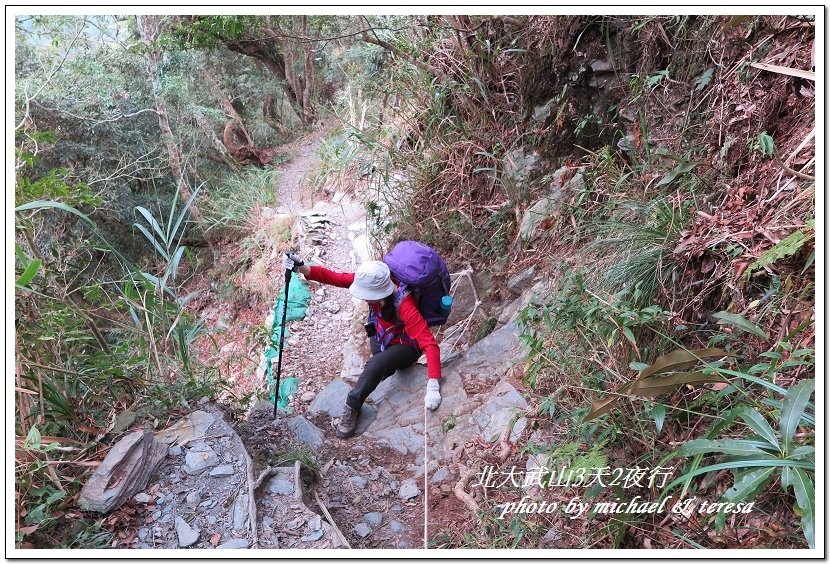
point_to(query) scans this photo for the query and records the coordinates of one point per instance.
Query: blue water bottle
(446, 305)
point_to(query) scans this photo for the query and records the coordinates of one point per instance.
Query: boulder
(222, 471)
(537, 213)
(362, 530)
(187, 429)
(331, 399)
(520, 281)
(306, 432)
(124, 472)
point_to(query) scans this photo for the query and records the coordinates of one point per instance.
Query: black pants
(379, 368)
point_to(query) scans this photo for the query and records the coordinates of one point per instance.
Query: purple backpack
(422, 272)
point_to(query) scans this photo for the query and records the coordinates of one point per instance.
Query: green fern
(787, 247)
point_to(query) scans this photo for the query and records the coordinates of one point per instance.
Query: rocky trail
(289, 482)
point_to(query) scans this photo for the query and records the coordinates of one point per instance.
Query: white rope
(426, 491)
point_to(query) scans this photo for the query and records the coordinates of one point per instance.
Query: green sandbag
(287, 388)
(298, 298)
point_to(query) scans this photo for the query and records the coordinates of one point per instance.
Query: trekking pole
(282, 338)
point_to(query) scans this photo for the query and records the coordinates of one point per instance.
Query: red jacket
(414, 325)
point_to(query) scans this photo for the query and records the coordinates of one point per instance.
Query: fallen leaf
(214, 540)
(28, 530)
(740, 267)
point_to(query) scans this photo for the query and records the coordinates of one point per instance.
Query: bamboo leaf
(658, 413)
(679, 170)
(186, 299)
(600, 407)
(629, 335)
(173, 266)
(678, 360)
(795, 402)
(153, 223)
(154, 280)
(745, 488)
(741, 323)
(734, 447)
(805, 497)
(748, 485)
(787, 477)
(30, 272)
(603, 406)
(737, 465)
(766, 383)
(176, 228)
(48, 204)
(153, 240)
(758, 424)
(803, 452)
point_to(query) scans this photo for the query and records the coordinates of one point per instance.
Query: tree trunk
(308, 50)
(269, 115)
(228, 106)
(148, 29)
(273, 61)
(202, 122)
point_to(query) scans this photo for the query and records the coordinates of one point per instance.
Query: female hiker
(397, 330)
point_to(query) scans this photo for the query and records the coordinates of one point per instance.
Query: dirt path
(359, 481)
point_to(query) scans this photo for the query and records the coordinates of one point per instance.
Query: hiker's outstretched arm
(326, 276)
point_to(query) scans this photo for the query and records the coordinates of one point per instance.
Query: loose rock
(409, 490)
(396, 526)
(196, 462)
(187, 534)
(373, 518)
(221, 471)
(234, 543)
(362, 530)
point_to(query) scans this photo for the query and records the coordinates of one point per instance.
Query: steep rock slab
(489, 420)
(399, 401)
(495, 414)
(331, 400)
(490, 358)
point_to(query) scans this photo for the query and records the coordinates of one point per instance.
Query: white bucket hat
(372, 281)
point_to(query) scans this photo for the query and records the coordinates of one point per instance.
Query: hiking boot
(348, 423)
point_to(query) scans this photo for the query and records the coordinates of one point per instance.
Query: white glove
(432, 399)
(290, 261)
